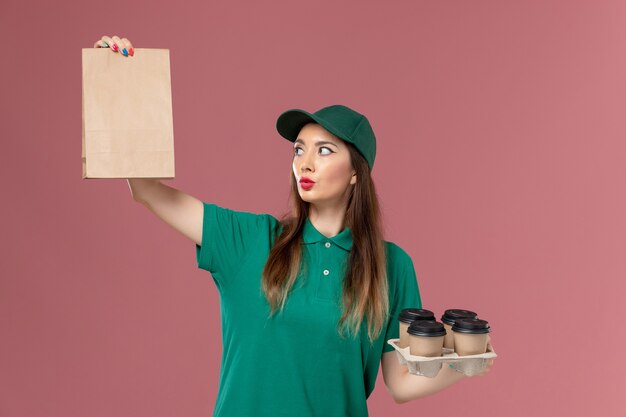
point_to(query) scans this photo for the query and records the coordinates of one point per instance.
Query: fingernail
(131, 52)
(105, 44)
(114, 47)
(125, 52)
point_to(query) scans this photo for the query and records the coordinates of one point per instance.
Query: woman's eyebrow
(319, 142)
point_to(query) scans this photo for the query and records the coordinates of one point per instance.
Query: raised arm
(176, 208)
(181, 211)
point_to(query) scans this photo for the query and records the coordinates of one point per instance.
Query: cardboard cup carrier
(426, 337)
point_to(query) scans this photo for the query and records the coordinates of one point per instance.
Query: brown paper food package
(128, 129)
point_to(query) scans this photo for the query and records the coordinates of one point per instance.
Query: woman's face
(325, 159)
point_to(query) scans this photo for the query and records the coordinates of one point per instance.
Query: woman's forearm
(140, 186)
(416, 386)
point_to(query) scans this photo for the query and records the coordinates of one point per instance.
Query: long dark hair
(365, 288)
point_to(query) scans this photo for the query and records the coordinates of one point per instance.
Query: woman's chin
(306, 196)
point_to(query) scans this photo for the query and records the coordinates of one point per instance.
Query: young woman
(308, 301)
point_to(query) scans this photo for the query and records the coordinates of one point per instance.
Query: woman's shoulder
(401, 274)
(242, 219)
(243, 212)
(395, 251)
(397, 257)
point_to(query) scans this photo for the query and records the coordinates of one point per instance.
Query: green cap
(339, 120)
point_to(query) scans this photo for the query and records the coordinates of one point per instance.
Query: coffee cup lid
(408, 315)
(449, 316)
(428, 328)
(474, 326)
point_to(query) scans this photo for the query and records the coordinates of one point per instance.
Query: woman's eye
(323, 147)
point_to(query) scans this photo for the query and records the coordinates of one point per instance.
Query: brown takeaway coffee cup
(448, 319)
(426, 338)
(408, 316)
(470, 336)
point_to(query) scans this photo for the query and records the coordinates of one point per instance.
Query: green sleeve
(406, 294)
(228, 238)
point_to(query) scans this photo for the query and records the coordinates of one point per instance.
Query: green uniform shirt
(295, 364)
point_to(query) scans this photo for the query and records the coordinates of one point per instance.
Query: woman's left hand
(487, 368)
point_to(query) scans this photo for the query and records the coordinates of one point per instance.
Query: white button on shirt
(328, 244)
(326, 272)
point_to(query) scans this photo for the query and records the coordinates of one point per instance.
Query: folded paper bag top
(128, 129)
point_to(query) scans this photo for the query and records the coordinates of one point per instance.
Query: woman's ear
(353, 179)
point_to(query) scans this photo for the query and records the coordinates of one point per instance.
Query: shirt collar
(311, 235)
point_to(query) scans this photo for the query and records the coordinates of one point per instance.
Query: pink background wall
(500, 168)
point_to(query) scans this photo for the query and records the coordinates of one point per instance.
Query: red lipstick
(306, 183)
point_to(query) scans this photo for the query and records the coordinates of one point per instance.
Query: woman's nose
(307, 161)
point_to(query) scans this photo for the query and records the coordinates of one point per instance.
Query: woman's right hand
(116, 44)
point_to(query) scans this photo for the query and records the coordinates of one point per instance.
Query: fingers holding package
(117, 44)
